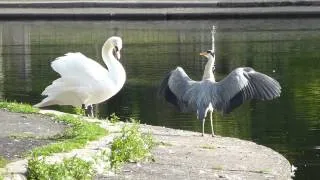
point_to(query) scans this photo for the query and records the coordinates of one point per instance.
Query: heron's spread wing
(240, 85)
(178, 88)
(243, 84)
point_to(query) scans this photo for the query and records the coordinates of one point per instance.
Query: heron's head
(114, 43)
(207, 53)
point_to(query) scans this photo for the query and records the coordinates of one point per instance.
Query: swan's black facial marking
(114, 52)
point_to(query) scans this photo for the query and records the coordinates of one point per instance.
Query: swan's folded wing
(84, 68)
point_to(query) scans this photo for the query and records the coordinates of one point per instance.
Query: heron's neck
(115, 69)
(208, 70)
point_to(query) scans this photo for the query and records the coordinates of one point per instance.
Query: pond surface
(287, 50)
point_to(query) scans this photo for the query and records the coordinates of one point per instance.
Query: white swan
(83, 81)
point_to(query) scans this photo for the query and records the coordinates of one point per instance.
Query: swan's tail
(45, 102)
(62, 93)
(61, 98)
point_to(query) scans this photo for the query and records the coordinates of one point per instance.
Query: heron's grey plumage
(196, 96)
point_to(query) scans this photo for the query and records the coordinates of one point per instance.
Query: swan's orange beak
(203, 53)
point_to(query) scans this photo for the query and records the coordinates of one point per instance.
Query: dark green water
(287, 50)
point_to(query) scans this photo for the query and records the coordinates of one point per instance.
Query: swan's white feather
(72, 64)
(80, 77)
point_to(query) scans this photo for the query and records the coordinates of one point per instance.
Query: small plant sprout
(113, 118)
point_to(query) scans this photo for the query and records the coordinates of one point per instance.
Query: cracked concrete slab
(22, 132)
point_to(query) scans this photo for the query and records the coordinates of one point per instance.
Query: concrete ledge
(156, 4)
(155, 10)
(155, 14)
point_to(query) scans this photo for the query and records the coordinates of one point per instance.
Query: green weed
(113, 118)
(131, 146)
(71, 168)
(78, 111)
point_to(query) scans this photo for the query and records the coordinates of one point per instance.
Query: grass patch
(75, 136)
(3, 162)
(220, 168)
(131, 146)
(24, 135)
(207, 146)
(71, 168)
(18, 107)
(262, 171)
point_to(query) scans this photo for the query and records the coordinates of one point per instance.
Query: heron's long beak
(203, 53)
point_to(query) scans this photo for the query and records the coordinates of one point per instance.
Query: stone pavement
(156, 10)
(178, 155)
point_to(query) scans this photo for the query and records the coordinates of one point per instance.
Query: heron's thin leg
(211, 124)
(203, 121)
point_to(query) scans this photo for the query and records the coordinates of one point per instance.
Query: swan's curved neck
(107, 55)
(208, 70)
(115, 69)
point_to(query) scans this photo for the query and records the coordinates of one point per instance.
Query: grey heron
(207, 95)
(85, 82)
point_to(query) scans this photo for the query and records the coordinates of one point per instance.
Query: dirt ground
(187, 155)
(22, 132)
